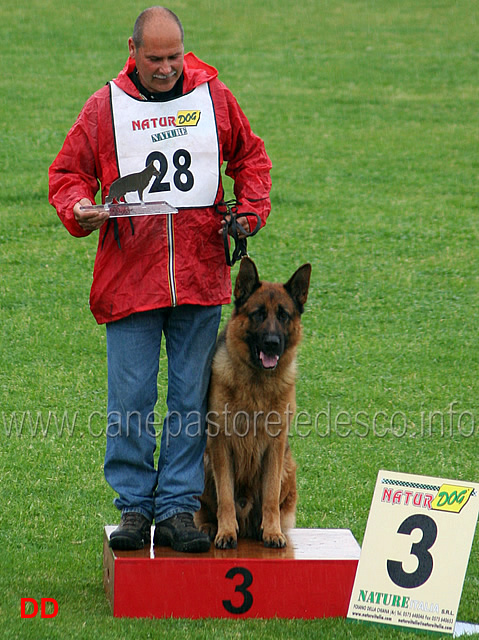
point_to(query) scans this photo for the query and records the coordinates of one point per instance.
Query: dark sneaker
(180, 533)
(132, 533)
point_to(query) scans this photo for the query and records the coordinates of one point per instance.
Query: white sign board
(415, 552)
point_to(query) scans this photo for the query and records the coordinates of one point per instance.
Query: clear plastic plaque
(126, 209)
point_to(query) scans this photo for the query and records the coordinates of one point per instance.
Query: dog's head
(269, 313)
(151, 169)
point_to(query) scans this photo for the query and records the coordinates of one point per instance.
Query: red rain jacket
(154, 269)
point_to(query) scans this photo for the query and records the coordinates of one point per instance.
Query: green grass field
(369, 112)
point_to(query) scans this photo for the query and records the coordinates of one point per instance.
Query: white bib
(179, 136)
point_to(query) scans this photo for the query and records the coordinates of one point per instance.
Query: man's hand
(89, 220)
(243, 221)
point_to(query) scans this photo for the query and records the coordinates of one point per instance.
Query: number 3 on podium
(240, 588)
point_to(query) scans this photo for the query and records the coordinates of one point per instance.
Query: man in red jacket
(164, 274)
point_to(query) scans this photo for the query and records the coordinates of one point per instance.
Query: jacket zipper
(171, 260)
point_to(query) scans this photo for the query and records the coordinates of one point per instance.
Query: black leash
(229, 210)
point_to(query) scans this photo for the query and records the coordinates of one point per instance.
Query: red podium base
(311, 578)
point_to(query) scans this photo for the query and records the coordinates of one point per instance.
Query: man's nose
(164, 68)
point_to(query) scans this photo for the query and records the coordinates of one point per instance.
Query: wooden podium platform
(311, 578)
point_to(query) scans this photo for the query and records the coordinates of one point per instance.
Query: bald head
(155, 18)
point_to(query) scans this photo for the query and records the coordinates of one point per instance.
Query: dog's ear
(152, 167)
(298, 285)
(247, 281)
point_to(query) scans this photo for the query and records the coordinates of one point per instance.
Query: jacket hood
(195, 72)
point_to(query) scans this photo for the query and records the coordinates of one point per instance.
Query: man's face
(159, 59)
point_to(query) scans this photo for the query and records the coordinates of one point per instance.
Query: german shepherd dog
(132, 182)
(250, 474)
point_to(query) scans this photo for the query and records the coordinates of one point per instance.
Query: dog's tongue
(268, 362)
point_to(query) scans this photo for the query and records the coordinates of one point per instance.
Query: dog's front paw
(226, 540)
(274, 540)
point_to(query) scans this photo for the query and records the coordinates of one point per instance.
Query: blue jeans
(133, 348)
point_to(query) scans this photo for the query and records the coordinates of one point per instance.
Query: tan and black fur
(250, 473)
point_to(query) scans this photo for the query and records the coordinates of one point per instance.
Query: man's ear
(131, 48)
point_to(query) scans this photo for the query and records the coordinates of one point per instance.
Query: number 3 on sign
(419, 549)
(241, 588)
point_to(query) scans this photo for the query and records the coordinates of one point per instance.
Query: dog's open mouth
(267, 361)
